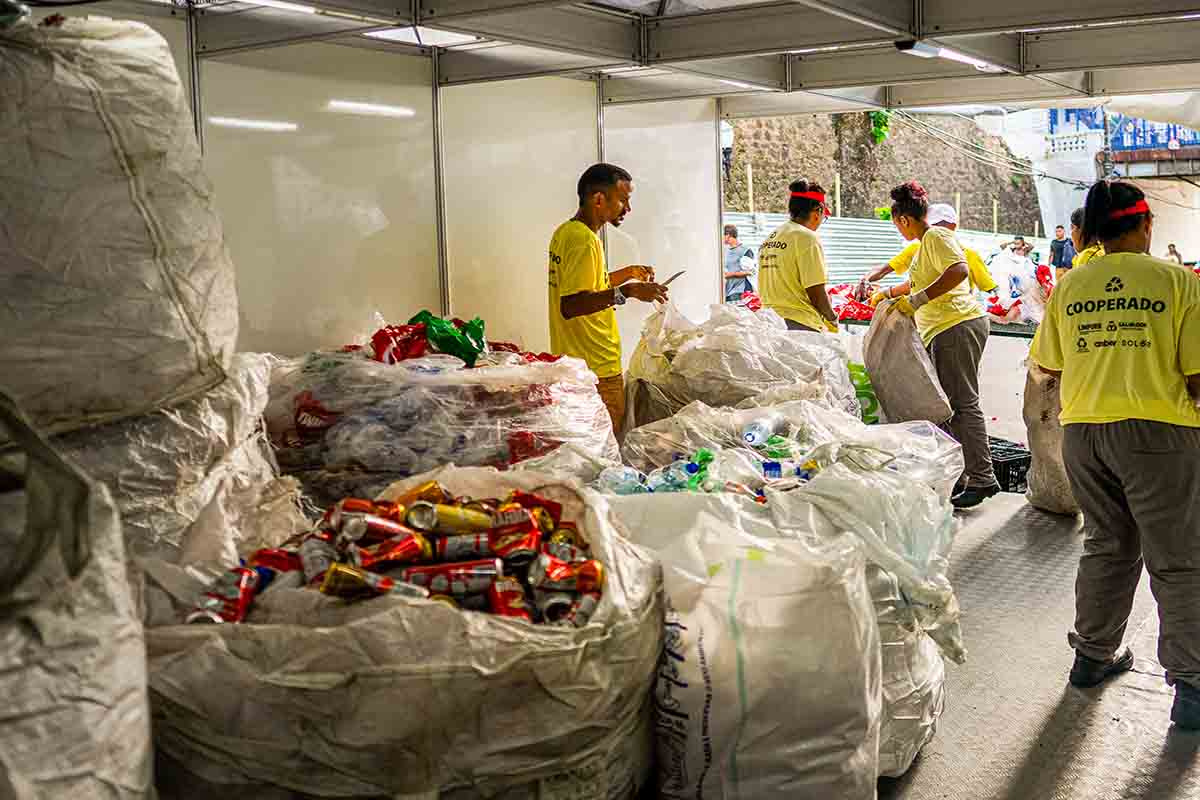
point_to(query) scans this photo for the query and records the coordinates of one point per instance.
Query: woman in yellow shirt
(954, 328)
(1124, 337)
(791, 264)
(1085, 251)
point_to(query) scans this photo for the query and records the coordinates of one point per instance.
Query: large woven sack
(901, 371)
(72, 654)
(1049, 488)
(118, 291)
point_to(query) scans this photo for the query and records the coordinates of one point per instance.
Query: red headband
(818, 196)
(1139, 207)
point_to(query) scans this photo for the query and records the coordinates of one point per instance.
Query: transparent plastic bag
(1049, 488)
(901, 371)
(344, 413)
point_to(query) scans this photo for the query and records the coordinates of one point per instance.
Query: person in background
(1062, 253)
(739, 266)
(1173, 254)
(1123, 335)
(1085, 250)
(942, 215)
(954, 329)
(582, 293)
(1019, 246)
(791, 263)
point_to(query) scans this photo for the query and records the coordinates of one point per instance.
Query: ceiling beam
(1125, 46)
(433, 11)
(669, 86)
(1144, 80)
(871, 67)
(770, 104)
(759, 72)
(753, 30)
(943, 17)
(891, 17)
(569, 29)
(990, 89)
(506, 61)
(227, 32)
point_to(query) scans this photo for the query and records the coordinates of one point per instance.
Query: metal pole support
(439, 185)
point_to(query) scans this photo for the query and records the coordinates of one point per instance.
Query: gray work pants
(1138, 484)
(956, 353)
(792, 325)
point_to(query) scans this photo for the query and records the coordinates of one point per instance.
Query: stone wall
(783, 149)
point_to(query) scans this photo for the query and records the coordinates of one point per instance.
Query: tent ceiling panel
(1109, 82)
(755, 72)
(870, 67)
(433, 11)
(1127, 45)
(886, 15)
(942, 17)
(669, 86)
(768, 104)
(504, 61)
(991, 89)
(233, 31)
(571, 29)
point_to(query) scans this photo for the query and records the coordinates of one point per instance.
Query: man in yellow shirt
(942, 215)
(581, 293)
(791, 264)
(1124, 337)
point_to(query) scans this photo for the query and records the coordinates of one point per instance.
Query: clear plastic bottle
(621, 480)
(757, 432)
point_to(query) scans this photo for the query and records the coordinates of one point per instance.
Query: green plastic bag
(445, 337)
(866, 393)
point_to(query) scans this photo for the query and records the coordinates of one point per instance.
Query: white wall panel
(513, 151)
(334, 220)
(671, 150)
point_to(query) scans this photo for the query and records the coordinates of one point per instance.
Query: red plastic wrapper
(751, 301)
(396, 343)
(506, 598)
(853, 309)
(277, 559)
(456, 580)
(550, 573)
(228, 599)
(312, 418)
(524, 445)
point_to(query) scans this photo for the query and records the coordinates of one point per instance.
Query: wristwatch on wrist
(618, 297)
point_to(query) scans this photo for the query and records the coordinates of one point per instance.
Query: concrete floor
(1013, 728)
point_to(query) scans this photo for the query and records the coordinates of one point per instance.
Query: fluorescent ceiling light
(253, 124)
(428, 36)
(926, 50)
(284, 6)
(369, 109)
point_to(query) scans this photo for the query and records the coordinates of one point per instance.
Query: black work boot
(974, 495)
(1186, 711)
(1088, 672)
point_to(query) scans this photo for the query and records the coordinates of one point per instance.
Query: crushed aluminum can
(551, 512)
(317, 554)
(428, 492)
(364, 528)
(567, 532)
(403, 549)
(277, 559)
(506, 598)
(566, 551)
(444, 519)
(463, 547)
(550, 573)
(554, 606)
(227, 599)
(347, 582)
(458, 580)
(519, 540)
(582, 610)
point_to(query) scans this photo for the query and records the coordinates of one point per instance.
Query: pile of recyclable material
(347, 424)
(737, 357)
(469, 633)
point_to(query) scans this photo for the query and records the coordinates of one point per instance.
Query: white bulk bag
(393, 696)
(72, 655)
(1049, 488)
(769, 682)
(118, 292)
(901, 371)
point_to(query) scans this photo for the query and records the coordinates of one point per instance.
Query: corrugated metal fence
(854, 246)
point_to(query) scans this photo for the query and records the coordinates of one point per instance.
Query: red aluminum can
(550, 573)
(518, 541)
(506, 598)
(457, 580)
(554, 606)
(582, 610)
(463, 547)
(228, 599)
(343, 580)
(317, 554)
(403, 549)
(429, 492)
(277, 559)
(531, 501)
(565, 551)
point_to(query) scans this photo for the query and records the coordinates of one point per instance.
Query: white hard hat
(942, 212)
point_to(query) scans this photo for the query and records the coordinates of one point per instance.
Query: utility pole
(1106, 168)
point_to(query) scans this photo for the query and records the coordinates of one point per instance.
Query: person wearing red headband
(791, 264)
(1123, 336)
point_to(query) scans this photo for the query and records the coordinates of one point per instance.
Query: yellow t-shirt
(977, 271)
(577, 265)
(789, 262)
(1124, 333)
(939, 249)
(1087, 254)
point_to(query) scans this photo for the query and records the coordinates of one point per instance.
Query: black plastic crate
(1011, 463)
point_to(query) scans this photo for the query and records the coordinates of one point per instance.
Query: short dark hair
(731, 230)
(1059, 228)
(1018, 238)
(911, 200)
(801, 207)
(600, 178)
(1077, 217)
(1104, 198)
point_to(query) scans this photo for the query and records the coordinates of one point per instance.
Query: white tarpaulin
(72, 655)
(118, 293)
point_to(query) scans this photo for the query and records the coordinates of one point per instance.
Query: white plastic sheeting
(755, 697)
(901, 372)
(395, 696)
(118, 292)
(72, 654)
(188, 479)
(735, 357)
(1049, 488)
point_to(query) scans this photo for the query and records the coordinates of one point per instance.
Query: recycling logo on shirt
(1082, 344)
(1112, 327)
(1115, 285)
